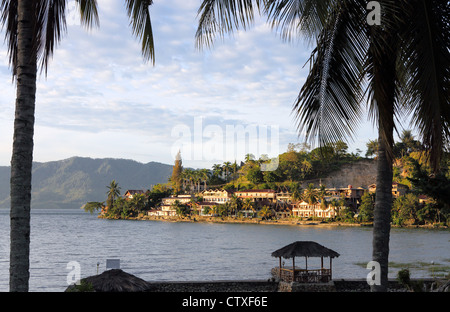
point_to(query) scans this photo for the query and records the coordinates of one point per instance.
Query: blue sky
(100, 99)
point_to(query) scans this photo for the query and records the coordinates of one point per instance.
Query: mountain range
(70, 183)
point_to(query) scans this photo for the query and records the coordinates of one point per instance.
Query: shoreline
(286, 221)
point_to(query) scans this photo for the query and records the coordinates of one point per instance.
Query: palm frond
(219, 17)
(88, 13)
(9, 23)
(328, 106)
(51, 24)
(299, 17)
(139, 14)
(385, 73)
(426, 55)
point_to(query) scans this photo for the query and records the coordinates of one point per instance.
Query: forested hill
(72, 182)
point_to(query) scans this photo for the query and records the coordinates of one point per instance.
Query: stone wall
(339, 285)
(268, 286)
(305, 287)
(214, 286)
(361, 173)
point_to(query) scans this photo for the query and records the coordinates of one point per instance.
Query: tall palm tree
(198, 179)
(248, 204)
(236, 204)
(297, 194)
(217, 170)
(33, 28)
(311, 196)
(112, 193)
(204, 176)
(321, 193)
(266, 212)
(188, 177)
(401, 66)
(227, 169)
(249, 157)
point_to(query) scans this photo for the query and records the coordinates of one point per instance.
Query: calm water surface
(198, 251)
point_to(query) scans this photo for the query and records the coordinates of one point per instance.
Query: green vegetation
(93, 206)
(83, 286)
(403, 276)
(297, 164)
(118, 207)
(366, 208)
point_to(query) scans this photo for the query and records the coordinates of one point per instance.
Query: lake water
(164, 251)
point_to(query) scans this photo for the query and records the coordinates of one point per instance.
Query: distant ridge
(72, 182)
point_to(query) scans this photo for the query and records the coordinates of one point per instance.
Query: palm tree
(33, 28)
(217, 170)
(249, 157)
(205, 174)
(196, 179)
(266, 212)
(297, 194)
(235, 204)
(226, 168)
(372, 148)
(401, 66)
(311, 196)
(322, 192)
(334, 203)
(296, 191)
(112, 193)
(188, 176)
(248, 204)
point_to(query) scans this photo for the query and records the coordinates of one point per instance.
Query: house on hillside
(203, 208)
(351, 194)
(397, 189)
(424, 199)
(130, 193)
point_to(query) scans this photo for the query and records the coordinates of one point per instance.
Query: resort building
(306, 210)
(216, 196)
(167, 202)
(284, 197)
(258, 195)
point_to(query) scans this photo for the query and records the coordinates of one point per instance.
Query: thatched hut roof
(115, 280)
(304, 249)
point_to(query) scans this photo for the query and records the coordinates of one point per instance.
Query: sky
(101, 99)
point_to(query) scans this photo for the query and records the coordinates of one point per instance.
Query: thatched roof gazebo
(305, 249)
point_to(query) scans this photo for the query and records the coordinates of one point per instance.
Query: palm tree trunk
(384, 51)
(383, 195)
(382, 215)
(22, 153)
